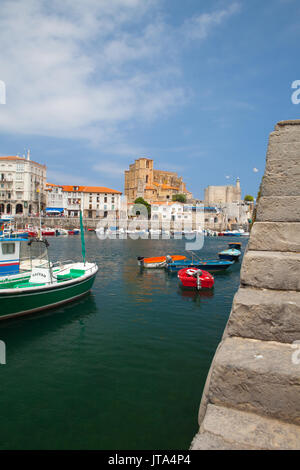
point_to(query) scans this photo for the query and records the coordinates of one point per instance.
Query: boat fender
(193, 271)
(199, 285)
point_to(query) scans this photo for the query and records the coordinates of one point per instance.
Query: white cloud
(78, 69)
(255, 170)
(109, 169)
(200, 26)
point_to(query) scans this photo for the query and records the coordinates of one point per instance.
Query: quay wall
(251, 399)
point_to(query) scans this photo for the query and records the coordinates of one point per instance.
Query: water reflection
(194, 294)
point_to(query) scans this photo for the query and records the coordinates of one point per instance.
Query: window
(105, 199)
(147, 178)
(8, 248)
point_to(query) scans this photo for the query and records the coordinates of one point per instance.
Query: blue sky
(195, 85)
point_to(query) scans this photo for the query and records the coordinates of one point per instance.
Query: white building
(95, 201)
(164, 213)
(22, 184)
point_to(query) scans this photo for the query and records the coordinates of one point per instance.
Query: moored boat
(43, 285)
(45, 289)
(48, 232)
(158, 261)
(74, 231)
(236, 245)
(208, 265)
(193, 278)
(231, 255)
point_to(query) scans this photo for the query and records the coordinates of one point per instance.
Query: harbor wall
(251, 399)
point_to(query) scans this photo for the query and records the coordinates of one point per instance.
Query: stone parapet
(251, 398)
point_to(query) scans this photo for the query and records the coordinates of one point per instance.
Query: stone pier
(251, 398)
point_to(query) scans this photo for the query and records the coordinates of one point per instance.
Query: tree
(248, 198)
(141, 200)
(179, 197)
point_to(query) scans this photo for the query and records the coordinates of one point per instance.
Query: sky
(195, 85)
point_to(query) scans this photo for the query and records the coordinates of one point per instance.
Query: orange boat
(158, 261)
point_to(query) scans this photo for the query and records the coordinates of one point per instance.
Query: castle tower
(238, 189)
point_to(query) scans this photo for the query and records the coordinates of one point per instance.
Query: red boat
(32, 234)
(48, 232)
(195, 278)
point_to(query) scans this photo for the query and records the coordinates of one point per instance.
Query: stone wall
(251, 398)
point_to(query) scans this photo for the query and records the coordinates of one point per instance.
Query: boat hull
(188, 279)
(158, 261)
(230, 255)
(19, 303)
(212, 267)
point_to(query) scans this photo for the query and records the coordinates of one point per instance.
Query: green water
(124, 367)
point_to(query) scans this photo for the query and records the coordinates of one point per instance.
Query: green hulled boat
(46, 288)
(30, 283)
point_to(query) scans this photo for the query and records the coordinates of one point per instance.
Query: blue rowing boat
(231, 255)
(206, 265)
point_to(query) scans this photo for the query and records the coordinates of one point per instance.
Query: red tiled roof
(89, 189)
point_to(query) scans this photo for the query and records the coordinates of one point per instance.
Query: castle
(141, 180)
(223, 194)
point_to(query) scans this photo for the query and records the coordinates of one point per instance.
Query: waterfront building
(142, 180)
(228, 216)
(22, 184)
(222, 194)
(95, 201)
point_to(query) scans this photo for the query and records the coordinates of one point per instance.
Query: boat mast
(82, 237)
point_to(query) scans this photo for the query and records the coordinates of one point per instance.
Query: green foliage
(248, 198)
(179, 197)
(141, 200)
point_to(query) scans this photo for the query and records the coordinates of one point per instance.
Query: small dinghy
(230, 255)
(158, 261)
(194, 278)
(236, 245)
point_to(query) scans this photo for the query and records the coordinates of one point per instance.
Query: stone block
(257, 377)
(282, 177)
(227, 428)
(266, 315)
(271, 270)
(278, 209)
(275, 236)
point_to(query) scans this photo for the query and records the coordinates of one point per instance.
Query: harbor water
(125, 366)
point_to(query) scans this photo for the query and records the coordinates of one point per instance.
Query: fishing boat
(74, 231)
(231, 255)
(193, 278)
(236, 245)
(44, 284)
(207, 265)
(48, 232)
(61, 232)
(158, 261)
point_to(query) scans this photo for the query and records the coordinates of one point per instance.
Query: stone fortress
(141, 180)
(222, 194)
(251, 399)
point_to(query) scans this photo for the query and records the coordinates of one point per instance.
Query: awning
(54, 209)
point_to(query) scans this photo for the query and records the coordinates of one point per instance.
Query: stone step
(271, 270)
(227, 428)
(278, 209)
(275, 236)
(257, 376)
(265, 314)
